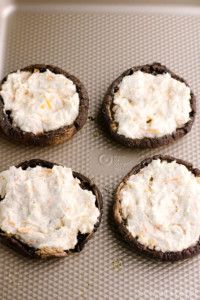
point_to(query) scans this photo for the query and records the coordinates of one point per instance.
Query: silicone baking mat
(97, 43)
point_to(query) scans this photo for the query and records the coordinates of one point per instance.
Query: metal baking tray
(96, 43)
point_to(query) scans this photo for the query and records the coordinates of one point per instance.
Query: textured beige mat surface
(97, 46)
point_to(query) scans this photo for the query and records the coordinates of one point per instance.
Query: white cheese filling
(162, 206)
(150, 106)
(40, 102)
(46, 207)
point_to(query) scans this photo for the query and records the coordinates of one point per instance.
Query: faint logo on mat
(111, 162)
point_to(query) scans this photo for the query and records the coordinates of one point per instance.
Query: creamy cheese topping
(40, 102)
(150, 106)
(46, 207)
(161, 204)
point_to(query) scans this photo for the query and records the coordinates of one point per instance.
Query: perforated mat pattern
(97, 47)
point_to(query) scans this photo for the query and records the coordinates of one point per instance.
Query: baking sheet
(96, 43)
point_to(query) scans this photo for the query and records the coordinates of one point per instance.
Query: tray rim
(9, 7)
